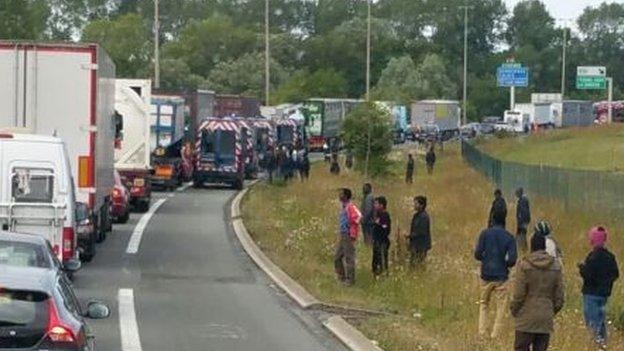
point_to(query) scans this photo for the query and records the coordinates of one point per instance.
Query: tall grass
(436, 308)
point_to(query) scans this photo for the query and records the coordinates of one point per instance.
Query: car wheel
(89, 250)
(124, 218)
(144, 206)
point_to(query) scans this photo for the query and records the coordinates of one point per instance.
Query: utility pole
(564, 47)
(368, 63)
(156, 46)
(267, 55)
(465, 96)
(610, 101)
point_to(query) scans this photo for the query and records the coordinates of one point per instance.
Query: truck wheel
(124, 218)
(144, 205)
(238, 185)
(197, 184)
(89, 250)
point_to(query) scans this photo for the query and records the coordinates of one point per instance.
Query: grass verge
(436, 309)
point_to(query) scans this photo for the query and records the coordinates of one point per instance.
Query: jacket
(420, 231)
(599, 272)
(350, 218)
(496, 249)
(499, 204)
(523, 212)
(538, 293)
(382, 227)
(430, 157)
(368, 211)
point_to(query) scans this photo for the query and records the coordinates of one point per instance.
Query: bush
(369, 118)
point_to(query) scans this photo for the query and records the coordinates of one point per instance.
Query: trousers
(493, 294)
(344, 259)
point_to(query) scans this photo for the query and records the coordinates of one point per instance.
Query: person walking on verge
(420, 232)
(523, 218)
(496, 250)
(344, 258)
(368, 213)
(305, 167)
(409, 172)
(538, 295)
(382, 227)
(430, 159)
(334, 168)
(599, 272)
(499, 204)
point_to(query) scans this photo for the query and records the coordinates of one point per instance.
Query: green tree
(324, 83)
(392, 85)
(23, 19)
(126, 39)
(369, 120)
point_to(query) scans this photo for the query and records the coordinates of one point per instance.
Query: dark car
(27, 250)
(85, 228)
(39, 311)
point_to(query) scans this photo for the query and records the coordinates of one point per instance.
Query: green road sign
(591, 82)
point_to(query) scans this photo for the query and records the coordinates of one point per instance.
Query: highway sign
(591, 77)
(512, 75)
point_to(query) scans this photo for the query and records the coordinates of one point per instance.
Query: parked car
(85, 230)
(41, 312)
(120, 204)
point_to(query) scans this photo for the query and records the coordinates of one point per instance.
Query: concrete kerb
(346, 333)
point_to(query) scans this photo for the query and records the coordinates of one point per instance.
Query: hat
(542, 228)
(597, 236)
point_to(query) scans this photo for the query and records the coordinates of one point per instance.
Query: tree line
(318, 47)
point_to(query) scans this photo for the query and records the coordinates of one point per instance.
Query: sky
(565, 8)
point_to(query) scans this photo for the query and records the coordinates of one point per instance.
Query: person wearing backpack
(349, 227)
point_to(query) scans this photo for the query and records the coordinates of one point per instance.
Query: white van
(37, 194)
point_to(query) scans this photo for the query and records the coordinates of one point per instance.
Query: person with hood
(349, 222)
(430, 159)
(599, 272)
(496, 250)
(420, 232)
(498, 205)
(382, 227)
(543, 228)
(538, 295)
(368, 213)
(523, 218)
(409, 172)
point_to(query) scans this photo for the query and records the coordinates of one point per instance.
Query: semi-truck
(235, 106)
(444, 114)
(323, 119)
(68, 91)
(132, 155)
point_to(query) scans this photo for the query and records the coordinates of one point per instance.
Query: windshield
(20, 254)
(285, 134)
(32, 185)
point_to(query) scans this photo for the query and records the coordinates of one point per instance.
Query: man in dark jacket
(498, 205)
(496, 250)
(409, 171)
(420, 232)
(537, 297)
(368, 213)
(599, 272)
(523, 218)
(382, 228)
(430, 159)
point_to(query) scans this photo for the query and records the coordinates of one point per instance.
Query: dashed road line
(128, 327)
(137, 233)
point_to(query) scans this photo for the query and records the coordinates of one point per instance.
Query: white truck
(66, 90)
(540, 113)
(133, 98)
(444, 114)
(514, 121)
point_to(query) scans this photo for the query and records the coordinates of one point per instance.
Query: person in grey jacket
(420, 232)
(368, 213)
(523, 218)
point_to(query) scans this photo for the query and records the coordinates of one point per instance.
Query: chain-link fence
(590, 189)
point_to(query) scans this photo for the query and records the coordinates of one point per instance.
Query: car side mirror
(73, 265)
(97, 310)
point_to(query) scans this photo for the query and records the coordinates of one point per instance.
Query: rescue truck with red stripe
(289, 132)
(221, 150)
(68, 91)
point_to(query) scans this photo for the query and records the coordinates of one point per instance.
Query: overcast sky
(565, 8)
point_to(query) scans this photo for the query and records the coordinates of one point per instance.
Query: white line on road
(184, 187)
(130, 340)
(137, 233)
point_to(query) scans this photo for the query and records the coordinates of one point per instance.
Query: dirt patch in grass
(436, 309)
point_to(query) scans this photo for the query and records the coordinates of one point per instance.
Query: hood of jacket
(540, 259)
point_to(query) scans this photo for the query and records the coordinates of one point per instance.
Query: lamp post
(156, 46)
(368, 63)
(564, 45)
(267, 55)
(465, 88)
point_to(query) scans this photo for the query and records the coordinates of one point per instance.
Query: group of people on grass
(286, 162)
(537, 292)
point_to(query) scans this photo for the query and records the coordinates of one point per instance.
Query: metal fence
(590, 189)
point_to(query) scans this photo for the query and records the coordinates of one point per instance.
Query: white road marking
(184, 187)
(170, 195)
(137, 233)
(130, 339)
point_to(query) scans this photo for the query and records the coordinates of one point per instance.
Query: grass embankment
(595, 148)
(436, 309)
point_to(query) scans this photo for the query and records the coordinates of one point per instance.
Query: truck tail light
(116, 193)
(68, 243)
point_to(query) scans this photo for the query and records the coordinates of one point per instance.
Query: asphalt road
(194, 287)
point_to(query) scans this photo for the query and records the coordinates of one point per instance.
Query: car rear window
(23, 318)
(22, 254)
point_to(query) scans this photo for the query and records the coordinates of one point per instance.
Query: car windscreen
(227, 142)
(285, 134)
(32, 185)
(208, 142)
(23, 318)
(22, 254)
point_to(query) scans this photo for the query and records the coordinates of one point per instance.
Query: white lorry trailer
(444, 114)
(133, 98)
(540, 113)
(69, 91)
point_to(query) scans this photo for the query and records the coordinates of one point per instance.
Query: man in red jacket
(344, 259)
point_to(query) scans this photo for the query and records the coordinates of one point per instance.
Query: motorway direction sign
(591, 77)
(512, 75)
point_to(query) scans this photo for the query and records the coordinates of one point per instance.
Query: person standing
(409, 171)
(271, 163)
(498, 205)
(430, 159)
(349, 221)
(305, 167)
(349, 159)
(523, 218)
(538, 295)
(368, 213)
(334, 168)
(382, 227)
(496, 250)
(599, 272)
(420, 232)
(543, 228)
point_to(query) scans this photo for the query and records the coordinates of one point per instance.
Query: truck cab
(517, 121)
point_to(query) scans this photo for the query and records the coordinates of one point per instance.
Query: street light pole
(465, 96)
(156, 46)
(368, 63)
(267, 55)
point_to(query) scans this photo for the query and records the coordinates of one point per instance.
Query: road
(190, 286)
